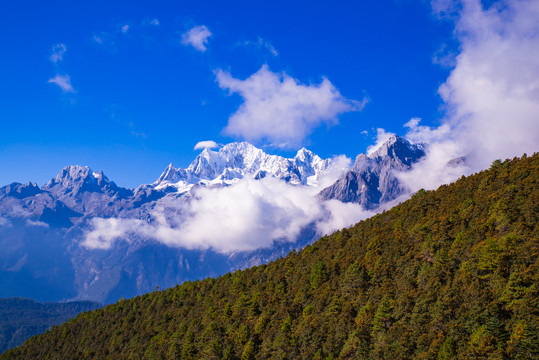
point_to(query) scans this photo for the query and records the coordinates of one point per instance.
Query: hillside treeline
(449, 274)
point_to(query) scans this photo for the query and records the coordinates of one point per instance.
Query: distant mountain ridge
(53, 219)
(22, 318)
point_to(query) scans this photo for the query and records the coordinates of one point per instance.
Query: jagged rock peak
(372, 180)
(238, 159)
(168, 174)
(19, 190)
(397, 148)
(304, 154)
(76, 174)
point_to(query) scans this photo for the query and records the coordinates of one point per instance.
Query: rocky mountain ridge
(372, 180)
(42, 229)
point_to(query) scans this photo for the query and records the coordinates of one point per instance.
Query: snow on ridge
(237, 160)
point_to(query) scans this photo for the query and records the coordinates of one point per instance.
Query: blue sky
(140, 95)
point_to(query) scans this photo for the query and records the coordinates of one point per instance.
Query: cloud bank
(246, 216)
(197, 37)
(491, 95)
(277, 108)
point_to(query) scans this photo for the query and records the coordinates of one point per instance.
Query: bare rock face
(372, 182)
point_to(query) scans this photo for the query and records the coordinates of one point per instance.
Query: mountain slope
(449, 274)
(22, 318)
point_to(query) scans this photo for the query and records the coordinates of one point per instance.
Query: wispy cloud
(278, 108)
(125, 29)
(58, 53)
(263, 44)
(206, 144)
(63, 81)
(197, 37)
(381, 137)
(154, 22)
(98, 39)
(37, 223)
(105, 39)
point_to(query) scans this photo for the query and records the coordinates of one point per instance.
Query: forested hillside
(449, 274)
(22, 318)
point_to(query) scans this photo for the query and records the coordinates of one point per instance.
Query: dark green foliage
(318, 275)
(449, 274)
(22, 318)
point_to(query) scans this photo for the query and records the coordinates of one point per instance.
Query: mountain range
(43, 229)
(448, 274)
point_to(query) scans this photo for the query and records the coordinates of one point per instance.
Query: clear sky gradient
(116, 86)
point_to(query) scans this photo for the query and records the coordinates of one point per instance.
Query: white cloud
(63, 81)
(341, 164)
(58, 53)
(105, 231)
(493, 91)
(37, 223)
(439, 166)
(19, 211)
(246, 216)
(154, 22)
(276, 107)
(341, 215)
(210, 144)
(197, 37)
(381, 137)
(491, 95)
(125, 28)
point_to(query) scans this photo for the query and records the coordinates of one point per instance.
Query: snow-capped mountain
(237, 160)
(42, 229)
(372, 181)
(86, 191)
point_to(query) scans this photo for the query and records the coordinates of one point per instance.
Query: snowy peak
(239, 159)
(399, 148)
(305, 156)
(171, 175)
